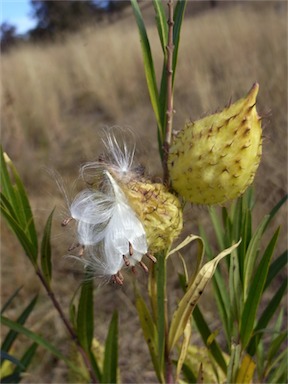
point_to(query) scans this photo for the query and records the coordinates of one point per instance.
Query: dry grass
(56, 99)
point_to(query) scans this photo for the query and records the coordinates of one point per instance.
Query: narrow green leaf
(28, 355)
(255, 293)
(273, 212)
(10, 300)
(223, 302)
(26, 243)
(249, 198)
(149, 331)
(6, 185)
(46, 265)
(162, 27)
(12, 335)
(275, 346)
(260, 358)
(110, 365)
(251, 256)
(28, 221)
(240, 222)
(205, 333)
(26, 359)
(279, 321)
(178, 18)
(148, 64)
(183, 279)
(233, 365)
(163, 36)
(163, 106)
(161, 24)
(279, 373)
(277, 266)
(19, 202)
(217, 227)
(6, 206)
(95, 366)
(40, 341)
(73, 315)
(232, 222)
(235, 288)
(85, 315)
(247, 236)
(188, 374)
(266, 316)
(252, 252)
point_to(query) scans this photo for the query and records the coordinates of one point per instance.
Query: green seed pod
(215, 159)
(159, 211)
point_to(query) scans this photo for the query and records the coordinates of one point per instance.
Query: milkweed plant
(125, 221)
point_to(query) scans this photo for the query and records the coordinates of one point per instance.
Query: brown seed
(116, 279)
(66, 221)
(73, 246)
(126, 261)
(130, 249)
(81, 252)
(151, 257)
(143, 266)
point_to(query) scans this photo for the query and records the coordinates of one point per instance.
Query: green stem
(161, 307)
(162, 319)
(169, 112)
(167, 358)
(169, 123)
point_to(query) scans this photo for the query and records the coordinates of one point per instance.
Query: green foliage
(15, 207)
(110, 366)
(195, 288)
(158, 97)
(85, 316)
(20, 365)
(18, 328)
(46, 264)
(11, 373)
(150, 332)
(149, 67)
(244, 315)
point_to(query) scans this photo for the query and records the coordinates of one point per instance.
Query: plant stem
(168, 362)
(168, 135)
(169, 111)
(67, 324)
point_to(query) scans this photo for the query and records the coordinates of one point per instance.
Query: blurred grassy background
(56, 99)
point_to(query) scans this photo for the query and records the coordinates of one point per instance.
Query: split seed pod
(159, 211)
(121, 216)
(215, 159)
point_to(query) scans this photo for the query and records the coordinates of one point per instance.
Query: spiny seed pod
(214, 159)
(159, 211)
